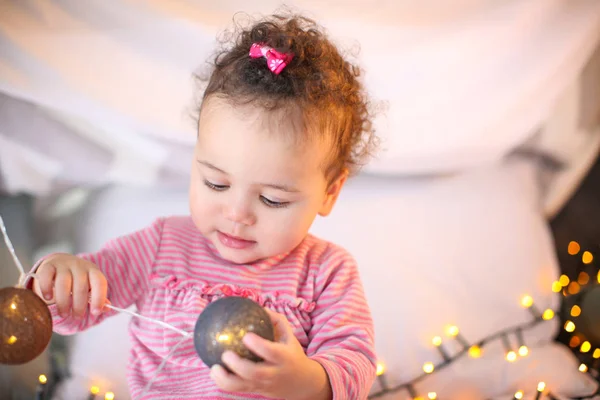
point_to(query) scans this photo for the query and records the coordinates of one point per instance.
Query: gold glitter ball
(25, 326)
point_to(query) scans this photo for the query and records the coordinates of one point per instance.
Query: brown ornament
(25, 326)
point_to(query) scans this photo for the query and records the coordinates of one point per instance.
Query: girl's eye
(274, 204)
(215, 187)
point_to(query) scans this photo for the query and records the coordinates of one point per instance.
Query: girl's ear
(333, 191)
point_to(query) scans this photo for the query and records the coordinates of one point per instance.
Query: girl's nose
(240, 213)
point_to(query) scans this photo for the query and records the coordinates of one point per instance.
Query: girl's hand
(286, 371)
(72, 283)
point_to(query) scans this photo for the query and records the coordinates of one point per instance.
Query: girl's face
(253, 192)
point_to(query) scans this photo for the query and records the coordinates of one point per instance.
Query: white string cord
(156, 321)
(13, 253)
(24, 276)
(161, 366)
(186, 335)
(23, 279)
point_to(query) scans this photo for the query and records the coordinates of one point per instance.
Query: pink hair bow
(276, 61)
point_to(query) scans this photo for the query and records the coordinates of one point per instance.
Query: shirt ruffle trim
(214, 292)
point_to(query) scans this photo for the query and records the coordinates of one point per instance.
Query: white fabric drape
(461, 83)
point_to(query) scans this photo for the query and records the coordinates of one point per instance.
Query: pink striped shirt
(171, 272)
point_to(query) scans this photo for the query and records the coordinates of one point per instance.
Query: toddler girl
(282, 123)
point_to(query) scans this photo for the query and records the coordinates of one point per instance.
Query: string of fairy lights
(570, 311)
(572, 288)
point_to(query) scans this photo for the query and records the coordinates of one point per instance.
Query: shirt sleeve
(126, 263)
(342, 334)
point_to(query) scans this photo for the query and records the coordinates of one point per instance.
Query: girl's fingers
(272, 352)
(63, 285)
(282, 327)
(227, 381)
(249, 370)
(80, 291)
(99, 290)
(45, 280)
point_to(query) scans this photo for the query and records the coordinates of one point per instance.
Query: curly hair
(318, 86)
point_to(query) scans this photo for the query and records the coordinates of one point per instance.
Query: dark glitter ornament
(223, 324)
(25, 326)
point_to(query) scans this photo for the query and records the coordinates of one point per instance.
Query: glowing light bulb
(380, 369)
(585, 347)
(475, 351)
(523, 351)
(596, 353)
(511, 356)
(574, 342)
(598, 278)
(541, 387)
(432, 395)
(527, 301)
(452, 331)
(556, 287)
(548, 314)
(13, 306)
(109, 396)
(428, 367)
(584, 278)
(42, 379)
(583, 368)
(519, 395)
(569, 326)
(587, 257)
(11, 340)
(94, 390)
(575, 311)
(437, 341)
(574, 288)
(564, 280)
(573, 248)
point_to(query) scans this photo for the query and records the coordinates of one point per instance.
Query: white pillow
(448, 250)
